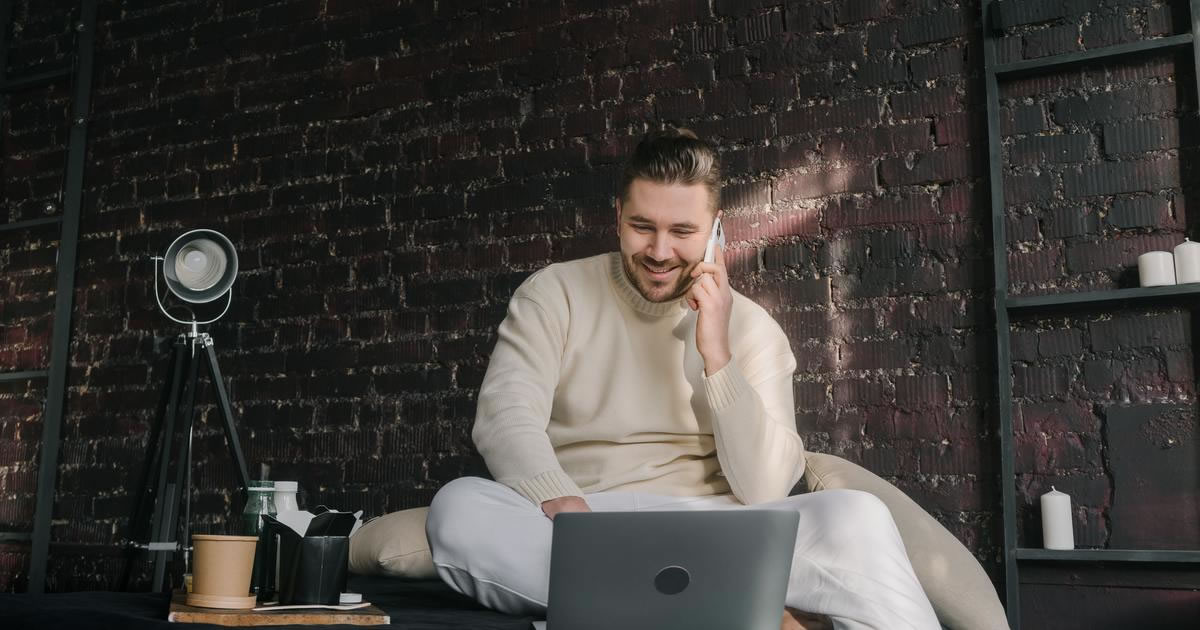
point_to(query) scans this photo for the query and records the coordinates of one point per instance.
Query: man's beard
(639, 282)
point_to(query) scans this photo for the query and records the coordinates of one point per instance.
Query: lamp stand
(168, 532)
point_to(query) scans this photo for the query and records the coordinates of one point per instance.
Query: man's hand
(711, 296)
(564, 504)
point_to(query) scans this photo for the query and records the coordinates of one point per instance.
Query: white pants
(491, 544)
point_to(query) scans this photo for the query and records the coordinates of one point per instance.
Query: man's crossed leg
(491, 544)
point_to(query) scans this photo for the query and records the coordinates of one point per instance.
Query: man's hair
(675, 156)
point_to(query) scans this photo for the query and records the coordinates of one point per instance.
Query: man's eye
(683, 233)
(642, 228)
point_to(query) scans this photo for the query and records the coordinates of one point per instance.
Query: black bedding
(412, 604)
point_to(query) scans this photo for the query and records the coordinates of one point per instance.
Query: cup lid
(288, 486)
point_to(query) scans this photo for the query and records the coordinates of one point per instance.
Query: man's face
(663, 230)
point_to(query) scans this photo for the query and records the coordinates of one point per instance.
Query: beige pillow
(393, 545)
(961, 592)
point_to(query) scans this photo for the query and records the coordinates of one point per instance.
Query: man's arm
(754, 423)
(515, 401)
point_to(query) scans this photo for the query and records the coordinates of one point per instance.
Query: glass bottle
(261, 502)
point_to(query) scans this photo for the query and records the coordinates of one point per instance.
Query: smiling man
(639, 380)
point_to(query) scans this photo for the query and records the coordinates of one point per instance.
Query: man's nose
(660, 247)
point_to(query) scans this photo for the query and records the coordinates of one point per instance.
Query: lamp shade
(200, 266)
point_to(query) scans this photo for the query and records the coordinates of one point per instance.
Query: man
(639, 380)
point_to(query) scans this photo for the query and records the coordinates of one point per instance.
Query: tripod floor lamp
(198, 267)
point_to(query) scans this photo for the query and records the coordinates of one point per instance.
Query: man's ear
(618, 204)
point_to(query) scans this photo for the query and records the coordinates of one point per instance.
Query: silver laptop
(665, 570)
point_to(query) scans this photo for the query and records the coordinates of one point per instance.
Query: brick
(1028, 187)
(923, 391)
(882, 72)
(939, 64)
(915, 277)
(1114, 254)
(1009, 13)
(1110, 31)
(737, 129)
(777, 257)
(813, 185)
(803, 16)
(860, 393)
(776, 90)
(851, 11)
(1149, 331)
(1160, 21)
(934, 166)
(855, 113)
(745, 195)
(911, 209)
(1040, 381)
(758, 28)
(866, 144)
(1056, 40)
(940, 100)
(1022, 119)
(1138, 212)
(445, 292)
(1070, 222)
(680, 106)
(1060, 342)
(1141, 136)
(1051, 149)
(804, 325)
(1108, 178)
(926, 29)
(1116, 104)
(772, 225)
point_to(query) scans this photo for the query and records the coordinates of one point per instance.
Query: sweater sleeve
(754, 422)
(515, 401)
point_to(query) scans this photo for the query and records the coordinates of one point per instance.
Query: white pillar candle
(1057, 532)
(1156, 269)
(1187, 262)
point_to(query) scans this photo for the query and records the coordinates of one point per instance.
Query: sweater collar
(633, 297)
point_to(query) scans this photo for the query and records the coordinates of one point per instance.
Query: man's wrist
(714, 363)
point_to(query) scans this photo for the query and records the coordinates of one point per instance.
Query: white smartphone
(716, 238)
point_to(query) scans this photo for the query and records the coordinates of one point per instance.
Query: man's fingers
(713, 269)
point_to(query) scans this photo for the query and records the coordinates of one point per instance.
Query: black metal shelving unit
(1006, 307)
(79, 72)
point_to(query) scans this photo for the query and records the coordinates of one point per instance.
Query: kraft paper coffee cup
(221, 565)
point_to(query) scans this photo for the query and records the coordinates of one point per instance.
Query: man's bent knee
(452, 514)
(854, 513)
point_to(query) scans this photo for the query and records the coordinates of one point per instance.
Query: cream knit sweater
(591, 387)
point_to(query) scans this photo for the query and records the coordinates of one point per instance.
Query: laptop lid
(663, 570)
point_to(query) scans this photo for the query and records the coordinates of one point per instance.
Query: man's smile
(659, 273)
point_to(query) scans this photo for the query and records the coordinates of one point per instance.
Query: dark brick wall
(390, 172)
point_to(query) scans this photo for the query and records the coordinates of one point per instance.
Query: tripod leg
(161, 497)
(160, 448)
(168, 525)
(162, 524)
(183, 465)
(231, 436)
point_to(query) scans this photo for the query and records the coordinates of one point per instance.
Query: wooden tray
(182, 613)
